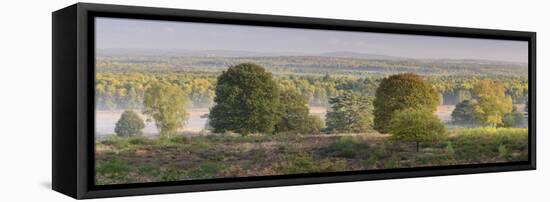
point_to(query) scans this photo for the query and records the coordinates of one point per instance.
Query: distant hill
(115, 52)
(348, 63)
(233, 53)
(191, 53)
(348, 54)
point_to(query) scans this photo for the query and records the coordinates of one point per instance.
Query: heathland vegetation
(259, 120)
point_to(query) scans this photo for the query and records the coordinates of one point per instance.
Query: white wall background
(25, 102)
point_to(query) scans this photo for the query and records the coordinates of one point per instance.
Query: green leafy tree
(166, 105)
(402, 91)
(492, 103)
(246, 101)
(416, 125)
(464, 113)
(129, 124)
(295, 116)
(313, 125)
(349, 112)
(513, 119)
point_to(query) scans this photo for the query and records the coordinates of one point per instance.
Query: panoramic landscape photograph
(179, 101)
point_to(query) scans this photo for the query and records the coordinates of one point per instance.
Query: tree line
(311, 65)
(248, 99)
(126, 91)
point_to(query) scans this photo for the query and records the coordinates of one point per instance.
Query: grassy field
(141, 159)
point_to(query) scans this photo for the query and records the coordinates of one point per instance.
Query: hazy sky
(167, 35)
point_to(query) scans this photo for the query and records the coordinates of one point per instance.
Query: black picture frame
(73, 100)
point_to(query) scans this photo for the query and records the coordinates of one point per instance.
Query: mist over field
(338, 63)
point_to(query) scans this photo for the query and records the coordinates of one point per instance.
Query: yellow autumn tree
(492, 103)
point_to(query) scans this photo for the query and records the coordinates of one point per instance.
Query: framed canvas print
(154, 100)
